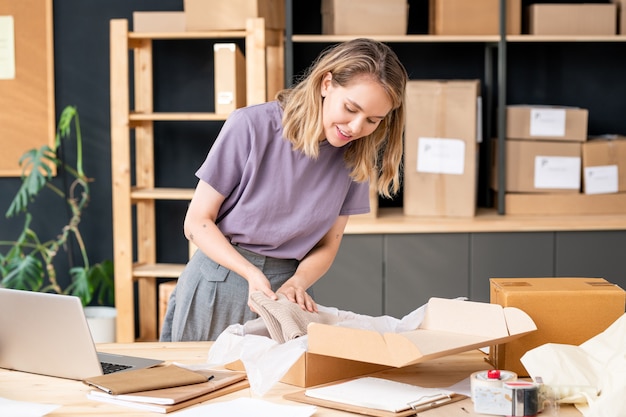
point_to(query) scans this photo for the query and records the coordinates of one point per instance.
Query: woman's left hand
(299, 296)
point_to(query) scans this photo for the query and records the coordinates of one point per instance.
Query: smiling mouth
(343, 135)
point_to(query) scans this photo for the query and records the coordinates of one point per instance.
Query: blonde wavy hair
(376, 157)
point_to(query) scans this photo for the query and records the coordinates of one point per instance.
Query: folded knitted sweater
(286, 320)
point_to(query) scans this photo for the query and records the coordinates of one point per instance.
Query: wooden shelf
(158, 270)
(162, 194)
(133, 169)
(458, 39)
(392, 221)
(217, 34)
(169, 117)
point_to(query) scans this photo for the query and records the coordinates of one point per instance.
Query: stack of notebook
(164, 389)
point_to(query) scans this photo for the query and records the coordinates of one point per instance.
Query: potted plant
(29, 263)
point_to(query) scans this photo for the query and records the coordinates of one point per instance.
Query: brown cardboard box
(572, 19)
(441, 149)
(449, 327)
(540, 167)
(311, 370)
(232, 14)
(364, 17)
(604, 165)
(548, 204)
(621, 13)
(565, 310)
(230, 77)
(172, 22)
(475, 17)
(546, 123)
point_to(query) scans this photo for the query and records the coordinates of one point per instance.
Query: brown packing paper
(145, 379)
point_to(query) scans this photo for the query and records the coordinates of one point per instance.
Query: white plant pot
(101, 322)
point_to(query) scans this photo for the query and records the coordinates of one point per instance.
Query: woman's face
(352, 112)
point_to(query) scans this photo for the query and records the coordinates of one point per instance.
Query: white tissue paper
(594, 372)
(267, 361)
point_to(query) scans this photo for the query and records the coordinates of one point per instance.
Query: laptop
(48, 334)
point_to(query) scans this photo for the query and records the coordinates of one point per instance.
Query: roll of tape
(490, 379)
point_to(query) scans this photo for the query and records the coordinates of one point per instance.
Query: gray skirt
(209, 297)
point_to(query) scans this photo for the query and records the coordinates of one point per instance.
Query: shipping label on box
(565, 310)
(441, 149)
(546, 123)
(604, 165)
(364, 17)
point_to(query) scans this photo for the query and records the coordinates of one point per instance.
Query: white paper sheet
(379, 394)
(25, 409)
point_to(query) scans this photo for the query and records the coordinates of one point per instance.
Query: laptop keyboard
(109, 368)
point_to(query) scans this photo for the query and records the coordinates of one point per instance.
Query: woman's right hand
(259, 282)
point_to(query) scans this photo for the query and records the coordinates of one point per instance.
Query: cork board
(27, 118)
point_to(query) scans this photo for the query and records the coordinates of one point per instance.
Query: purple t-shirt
(278, 202)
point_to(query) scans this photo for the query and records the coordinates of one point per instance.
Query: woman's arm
(200, 228)
(314, 265)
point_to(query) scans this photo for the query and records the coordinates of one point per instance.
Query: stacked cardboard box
(604, 165)
(230, 77)
(364, 17)
(232, 14)
(441, 148)
(572, 19)
(545, 162)
(475, 17)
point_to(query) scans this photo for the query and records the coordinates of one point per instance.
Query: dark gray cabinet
(394, 274)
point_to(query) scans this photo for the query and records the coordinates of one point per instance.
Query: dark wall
(589, 75)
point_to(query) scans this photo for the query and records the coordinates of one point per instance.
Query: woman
(277, 187)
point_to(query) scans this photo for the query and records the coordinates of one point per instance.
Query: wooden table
(72, 394)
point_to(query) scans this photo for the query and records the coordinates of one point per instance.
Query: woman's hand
(259, 282)
(298, 295)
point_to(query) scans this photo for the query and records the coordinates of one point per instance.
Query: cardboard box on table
(572, 19)
(475, 17)
(364, 17)
(232, 14)
(449, 327)
(441, 148)
(565, 310)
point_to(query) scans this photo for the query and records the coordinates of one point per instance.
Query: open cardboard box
(449, 327)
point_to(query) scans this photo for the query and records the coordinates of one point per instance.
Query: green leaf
(101, 276)
(81, 286)
(25, 273)
(36, 172)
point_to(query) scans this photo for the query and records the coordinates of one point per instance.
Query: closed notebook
(145, 379)
(175, 395)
